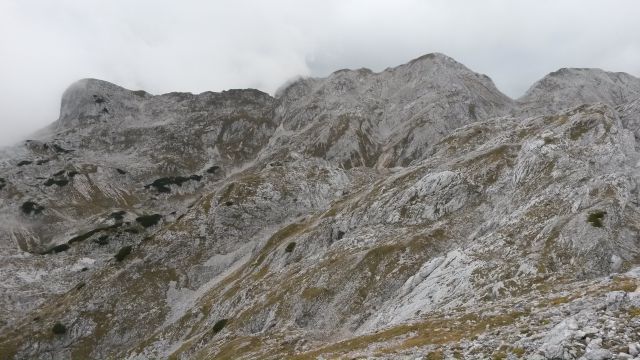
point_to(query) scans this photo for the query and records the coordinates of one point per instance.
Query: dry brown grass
(406, 336)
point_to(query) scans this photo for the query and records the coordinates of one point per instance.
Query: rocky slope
(415, 212)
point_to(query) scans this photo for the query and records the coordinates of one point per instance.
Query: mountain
(414, 212)
(573, 87)
(361, 118)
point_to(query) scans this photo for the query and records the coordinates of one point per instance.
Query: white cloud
(195, 45)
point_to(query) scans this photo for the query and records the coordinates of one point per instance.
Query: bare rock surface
(412, 213)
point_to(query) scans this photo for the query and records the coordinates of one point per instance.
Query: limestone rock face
(170, 132)
(361, 118)
(408, 213)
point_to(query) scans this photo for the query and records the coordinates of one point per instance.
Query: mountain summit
(576, 86)
(414, 212)
(357, 117)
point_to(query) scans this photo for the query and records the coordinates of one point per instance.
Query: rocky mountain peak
(408, 213)
(436, 60)
(359, 117)
(88, 99)
(91, 101)
(569, 87)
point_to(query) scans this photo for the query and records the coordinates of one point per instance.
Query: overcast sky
(163, 46)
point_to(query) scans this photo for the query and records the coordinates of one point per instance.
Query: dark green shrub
(42, 161)
(72, 173)
(472, 111)
(219, 325)
(118, 215)
(123, 253)
(59, 182)
(148, 220)
(214, 169)
(57, 249)
(290, 247)
(58, 328)
(84, 236)
(3, 182)
(595, 218)
(60, 149)
(102, 240)
(163, 184)
(61, 248)
(24, 162)
(121, 172)
(31, 207)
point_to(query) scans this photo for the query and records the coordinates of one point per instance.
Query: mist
(197, 46)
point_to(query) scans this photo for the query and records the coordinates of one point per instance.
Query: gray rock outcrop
(412, 212)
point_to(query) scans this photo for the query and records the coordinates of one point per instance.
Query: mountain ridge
(350, 216)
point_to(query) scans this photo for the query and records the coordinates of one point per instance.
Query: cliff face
(346, 216)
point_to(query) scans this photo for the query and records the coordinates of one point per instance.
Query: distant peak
(361, 71)
(564, 72)
(586, 73)
(90, 84)
(432, 64)
(433, 56)
(437, 60)
(583, 75)
(569, 87)
(91, 98)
